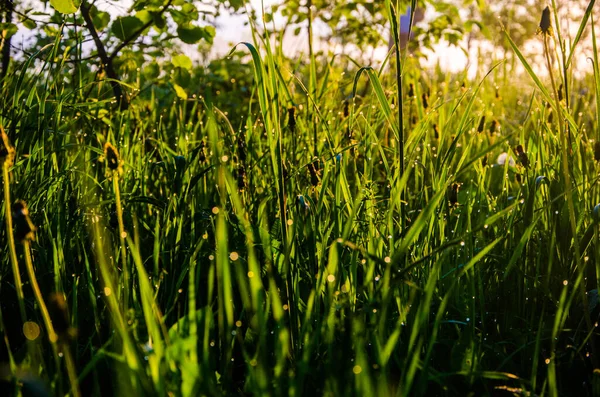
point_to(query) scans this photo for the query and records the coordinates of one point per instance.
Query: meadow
(295, 227)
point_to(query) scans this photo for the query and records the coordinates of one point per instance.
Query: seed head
(494, 126)
(59, 315)
(424, 97)
(241, 179)
(202, 152)
(597, 151)
(111, 156)
(481, 126)
(7, 151)
(24, 227)
(411, 90)
(545, 24)
(241, 146)
(453, 194)
(292, 118)
(522, 156)
(560, 92)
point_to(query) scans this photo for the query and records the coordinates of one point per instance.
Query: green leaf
(29, 24)
(152, 71)
(181, 76)
(182, 61)
(144, 16)
(180, 91)
(190, 11)
(210, 34)
(159, 21)
(66, 6)
(124, 27)
(101, 20)
(9, 28)
(192, 34)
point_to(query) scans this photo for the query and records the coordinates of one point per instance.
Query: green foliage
(125, 27)
(8, 29)
(190, 34)
(244, 226)
(66, 6)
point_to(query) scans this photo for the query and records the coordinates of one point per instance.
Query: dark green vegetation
(285, 230)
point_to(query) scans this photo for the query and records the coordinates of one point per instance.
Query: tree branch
(107, 63)
(8, 6)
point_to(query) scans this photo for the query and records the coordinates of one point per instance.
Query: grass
(217, 250)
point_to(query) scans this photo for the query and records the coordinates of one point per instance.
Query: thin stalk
(38, 294)
(312, 84)
(71, 370)
(122, 236)
(11, 242)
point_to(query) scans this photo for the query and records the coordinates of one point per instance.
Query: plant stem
(122, 236)
(38, 293)
(71, 370)
(11, 241)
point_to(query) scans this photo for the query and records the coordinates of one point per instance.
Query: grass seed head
(411, 90)
(494, 126)
(453, 194)
(522, 156)
(7, 151)
(560, 92)
(597, 150)
(292, 118)
(59, 315)
(111, 155)
(545, 24)
(202, 152)
(241, 178)
(241, 147)
(24, 227)
(481, 125)
(425, 98)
